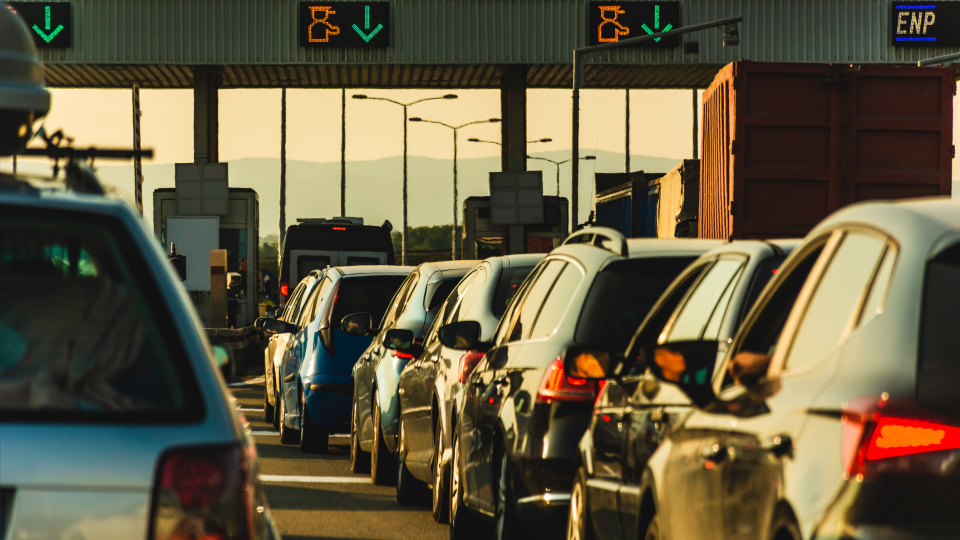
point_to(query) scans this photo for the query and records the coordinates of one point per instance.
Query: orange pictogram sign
(610, 30)
(330, 30)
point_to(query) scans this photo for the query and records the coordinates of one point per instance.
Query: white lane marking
(265, 433)
(250, 409)
(316, 479)
(248, 382)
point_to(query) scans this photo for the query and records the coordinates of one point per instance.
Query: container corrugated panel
(536, 32)
(787, 144)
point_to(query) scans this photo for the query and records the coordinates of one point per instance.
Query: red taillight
(558, 387)
(284, 289)
(889, 439)
(398, 354)
(203, 492)
(468, 362)
(339, 228)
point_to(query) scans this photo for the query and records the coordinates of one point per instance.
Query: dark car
(515, 447)
(429, 388)
(707, 301)
(375, 416)
(835, 413)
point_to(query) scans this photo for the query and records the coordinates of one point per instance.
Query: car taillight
(892, 438)
(203, 493)
(284, 289)
(556, 386)
(468, 362)
(398, 354)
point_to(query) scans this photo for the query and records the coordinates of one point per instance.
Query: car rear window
(939, 344)
(84, 332)
(365, 294)
(621, 296)
(438, 292)
(507, 287)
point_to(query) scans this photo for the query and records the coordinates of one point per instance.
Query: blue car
(314, 375)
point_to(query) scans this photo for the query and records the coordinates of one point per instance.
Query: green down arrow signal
(651, 32)
(48, 39)
(366, 26)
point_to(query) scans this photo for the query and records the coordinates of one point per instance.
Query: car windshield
(82, 331)
(621, 296)
(367, 294)
(507, 287)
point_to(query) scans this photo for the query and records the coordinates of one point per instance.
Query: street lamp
(498, 144)
(455, 129)
(403, 230)
(558, 164)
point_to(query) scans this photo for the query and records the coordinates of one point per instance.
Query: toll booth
(238, 233)
(482, 238)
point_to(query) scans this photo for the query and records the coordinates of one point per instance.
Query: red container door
(716, 164)
(898, 133)
(785, 160)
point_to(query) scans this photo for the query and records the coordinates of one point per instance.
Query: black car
(707, 301)
(515, 446)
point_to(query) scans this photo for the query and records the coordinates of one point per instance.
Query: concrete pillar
(206, 126)
(513, 136)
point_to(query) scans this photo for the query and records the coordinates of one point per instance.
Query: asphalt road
(316, 496)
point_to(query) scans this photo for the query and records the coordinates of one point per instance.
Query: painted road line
(316, 479)
(250, 409)
(258, 380)
(265, 433)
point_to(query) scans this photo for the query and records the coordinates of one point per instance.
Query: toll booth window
(309, 263)
(490, 247)
(83, 331)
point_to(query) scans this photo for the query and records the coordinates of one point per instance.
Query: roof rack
(601, 237)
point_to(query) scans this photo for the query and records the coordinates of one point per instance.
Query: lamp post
(453, 245)
(558, 164)
(403, 230)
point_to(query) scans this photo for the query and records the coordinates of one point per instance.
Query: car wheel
(381, 464)
(359, 460)
(653, 529)
(441, 495)
(463, 524)
(410, 491)
(287, 435)
(578, 522)
(313, 438)
(268, 409)
(505, 519)
(275, 417)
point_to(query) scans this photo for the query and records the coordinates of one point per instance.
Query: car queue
(637, 388)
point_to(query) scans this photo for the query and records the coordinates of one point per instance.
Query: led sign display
(344, 24)
(611, 22)
(49, 22)
(925, 24)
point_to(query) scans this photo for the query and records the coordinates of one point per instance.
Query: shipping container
(621, 203)
(784, 145)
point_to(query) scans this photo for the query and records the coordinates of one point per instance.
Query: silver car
(116, 423)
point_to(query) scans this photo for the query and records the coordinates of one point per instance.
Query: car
(521, 418)
(707, 301)
(374, 421)
(315, 372)
(430, 385)
(316, 243)
(277, 344)
(835, 413)
(112, 399)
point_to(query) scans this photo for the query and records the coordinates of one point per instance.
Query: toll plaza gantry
(509, 45)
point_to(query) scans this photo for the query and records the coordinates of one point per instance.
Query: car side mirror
(274, 327)
(398, 339)
(590, 363)
(689, 365)
(258, 324)
(356, 324)
(460, 336)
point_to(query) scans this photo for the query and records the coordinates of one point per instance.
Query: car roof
(55, 197)
(517, 261)
(374, 269)
(897, 217)
(449, 265)
(755, 247)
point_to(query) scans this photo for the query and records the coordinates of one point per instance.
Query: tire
(287, 435)
(410, 491)
(382, 464)
(506, 524)
(463, 524)
(314, 439)
(359, 460)
(441, 484)
(653, 529)
(268, 410)
(578, 520)
(275, 417)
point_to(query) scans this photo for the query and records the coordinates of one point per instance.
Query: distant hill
(374, 187)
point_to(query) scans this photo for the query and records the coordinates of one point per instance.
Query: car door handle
(714, 452)
(779, 445)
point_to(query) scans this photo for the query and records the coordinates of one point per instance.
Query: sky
(661, 126)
